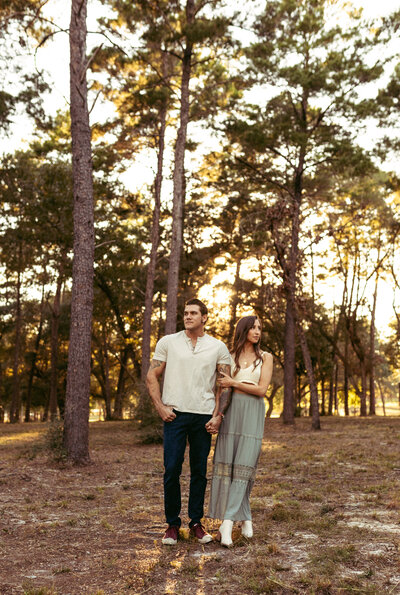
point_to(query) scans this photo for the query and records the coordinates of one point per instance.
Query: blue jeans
(185, 427)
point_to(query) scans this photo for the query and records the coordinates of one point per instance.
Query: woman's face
(254, 333)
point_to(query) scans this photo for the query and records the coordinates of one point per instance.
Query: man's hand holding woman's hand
(213, 425)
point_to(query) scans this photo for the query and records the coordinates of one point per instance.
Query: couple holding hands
(192, 410)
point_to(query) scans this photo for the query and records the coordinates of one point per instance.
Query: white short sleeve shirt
(190, 374)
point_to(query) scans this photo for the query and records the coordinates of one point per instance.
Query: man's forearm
(224, 400)
(154, 391)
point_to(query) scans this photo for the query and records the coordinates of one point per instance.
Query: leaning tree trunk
(76, 425)
(155, 239)
(178, 180)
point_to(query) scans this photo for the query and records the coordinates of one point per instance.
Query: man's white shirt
(190, 373)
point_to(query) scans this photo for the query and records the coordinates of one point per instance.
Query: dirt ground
(326, 508)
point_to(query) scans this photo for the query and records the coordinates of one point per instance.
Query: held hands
(213, 425)
(224, 380)
(166, 413)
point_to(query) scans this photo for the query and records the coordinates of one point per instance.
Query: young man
(191, 360)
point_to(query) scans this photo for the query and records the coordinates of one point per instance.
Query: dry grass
(326, 507)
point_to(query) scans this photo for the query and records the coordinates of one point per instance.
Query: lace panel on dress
(238, 472)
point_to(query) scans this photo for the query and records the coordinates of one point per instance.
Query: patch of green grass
(62, 570)
(107, 525)
(336, 554)
(54, 441)
(288, 511)
(38, 591)
(190, 567)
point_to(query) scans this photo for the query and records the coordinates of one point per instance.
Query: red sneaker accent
(171, 536)
(198, 531)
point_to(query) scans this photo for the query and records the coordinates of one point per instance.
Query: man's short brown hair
(199, 303)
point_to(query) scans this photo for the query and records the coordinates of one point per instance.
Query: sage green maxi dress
(237, 451)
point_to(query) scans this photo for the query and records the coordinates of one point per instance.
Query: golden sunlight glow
(22, 437)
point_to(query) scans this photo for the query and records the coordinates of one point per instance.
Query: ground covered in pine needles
(326, 508)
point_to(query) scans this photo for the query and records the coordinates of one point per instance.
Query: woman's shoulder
(266, 356)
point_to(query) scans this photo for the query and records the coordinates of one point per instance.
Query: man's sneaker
(198, 531)
(171, 536)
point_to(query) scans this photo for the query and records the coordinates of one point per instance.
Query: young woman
(239, 440)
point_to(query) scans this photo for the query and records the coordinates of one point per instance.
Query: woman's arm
(260, 389)
(222, 401)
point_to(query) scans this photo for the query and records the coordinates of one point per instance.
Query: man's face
(193, 318)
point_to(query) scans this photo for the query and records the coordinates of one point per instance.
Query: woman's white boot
(225, 533)
(247, 529)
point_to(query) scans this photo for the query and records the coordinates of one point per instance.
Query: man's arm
(153, 386)
(222, 402)
(226, 394)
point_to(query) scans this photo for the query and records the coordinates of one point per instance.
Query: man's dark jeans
(190, 427)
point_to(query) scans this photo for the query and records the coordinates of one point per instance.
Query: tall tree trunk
(270, 399)
(76, 426)
(382, 398)
(289, 366)
(27, 416)
(119, 397)
(155, 239)
(346, 376)
(2, 412)
(363, 396)
(323, 396)
(316, 424)
(234, 301)
(178, 180)
(335, 390)
(15, 409)
(55, 323)
(107, 387)
(332, 389)
(372, 398)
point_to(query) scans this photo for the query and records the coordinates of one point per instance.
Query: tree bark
(155, 239)
(363, 396)
(346, 376)
(270, 399)
(55, 323)
(76, 426)
(234, 301)
(27, 416)
(289, 367)
(382, 398)
(118, 403)
(107, 386)
(316, 424)
(178, 182)
(323, 396)
(15, 408)
(372, 398)
(331, 391)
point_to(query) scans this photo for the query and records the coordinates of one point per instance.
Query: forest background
(247, 157)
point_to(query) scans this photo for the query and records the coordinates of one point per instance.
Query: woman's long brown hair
(239, 339)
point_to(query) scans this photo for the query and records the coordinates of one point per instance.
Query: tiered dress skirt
(236, 455)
